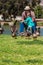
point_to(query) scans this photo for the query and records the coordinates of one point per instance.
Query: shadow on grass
(34, 61)
(28, 61)
(31, 42)
(10, 61)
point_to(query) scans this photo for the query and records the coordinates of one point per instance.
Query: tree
(13, 6)
(38, 11)
(35, 2)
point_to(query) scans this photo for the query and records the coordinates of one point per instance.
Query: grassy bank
(40, 23)
(21, 51)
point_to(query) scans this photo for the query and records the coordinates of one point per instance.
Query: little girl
(30, 23)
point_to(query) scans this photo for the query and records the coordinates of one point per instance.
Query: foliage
(16, 7)
(13, 6)
(38, 11)
(35, 2)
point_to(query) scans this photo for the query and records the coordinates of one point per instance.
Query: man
(24, 16)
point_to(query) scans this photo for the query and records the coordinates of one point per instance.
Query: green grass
(40, 23)
(21, 51)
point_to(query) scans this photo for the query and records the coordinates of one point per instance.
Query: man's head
(27, 8)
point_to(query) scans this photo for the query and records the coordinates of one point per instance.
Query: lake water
(8, 31)
(41, 31)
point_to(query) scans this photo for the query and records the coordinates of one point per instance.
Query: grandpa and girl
(28, 21)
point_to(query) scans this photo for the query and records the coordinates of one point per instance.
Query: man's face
(26, 11)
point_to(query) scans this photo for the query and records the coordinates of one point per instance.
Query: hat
(27, 8)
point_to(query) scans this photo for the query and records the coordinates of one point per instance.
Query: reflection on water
(8, 31)
(41, 31)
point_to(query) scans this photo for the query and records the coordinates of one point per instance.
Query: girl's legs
(29, 31)
(33, 29)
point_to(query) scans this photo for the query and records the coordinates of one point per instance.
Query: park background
(21, 50)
